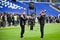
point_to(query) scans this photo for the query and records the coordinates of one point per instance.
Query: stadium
(11, 10)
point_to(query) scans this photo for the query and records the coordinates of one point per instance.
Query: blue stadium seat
(18, 7)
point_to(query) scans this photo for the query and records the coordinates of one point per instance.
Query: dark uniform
(22, 24)
(9, 20)
(42, 23)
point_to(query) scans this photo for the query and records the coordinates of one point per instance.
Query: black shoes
(41, 36)
(21, 36)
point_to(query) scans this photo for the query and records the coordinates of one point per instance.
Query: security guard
(42, 22)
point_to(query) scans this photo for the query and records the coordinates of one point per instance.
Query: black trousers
(3, 24)
(9, 23)
(42, 30)
(31, 27)
(22, 30)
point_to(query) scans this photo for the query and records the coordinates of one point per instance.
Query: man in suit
(42, 22)
(22, 23)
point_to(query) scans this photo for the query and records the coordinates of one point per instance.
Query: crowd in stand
(14, 19)
(8, 19)
(52, 19)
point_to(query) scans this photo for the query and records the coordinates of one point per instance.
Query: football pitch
(51, 32)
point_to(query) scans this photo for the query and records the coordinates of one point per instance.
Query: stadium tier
(19, 7)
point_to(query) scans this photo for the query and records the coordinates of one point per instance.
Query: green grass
(51, 32)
